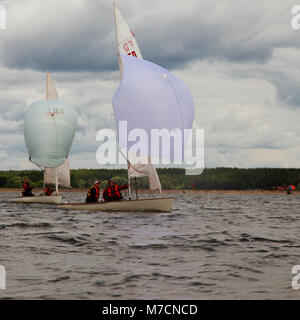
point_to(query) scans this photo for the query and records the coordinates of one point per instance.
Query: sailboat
(149, 96)
(49, 130)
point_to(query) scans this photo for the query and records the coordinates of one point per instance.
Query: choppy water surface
(211, 246)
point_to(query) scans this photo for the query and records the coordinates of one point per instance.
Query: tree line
(171, 178)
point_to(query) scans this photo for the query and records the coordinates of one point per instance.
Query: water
(212, 246)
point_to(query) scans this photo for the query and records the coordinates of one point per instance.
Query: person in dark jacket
(93, 192)
(112, 191)
(27, 189)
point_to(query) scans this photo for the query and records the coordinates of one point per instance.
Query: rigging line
(47, 86)
(130, 165)
(53, 116)
(178, 103)
(128, 162)
(37, 165)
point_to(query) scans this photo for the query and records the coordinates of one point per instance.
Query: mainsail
(59, 175)
(125, 38)
(126, 44)
(51, 92)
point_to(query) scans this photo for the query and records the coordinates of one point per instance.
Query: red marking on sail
(132, 33)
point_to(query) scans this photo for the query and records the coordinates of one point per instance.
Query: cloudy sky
(240, 59)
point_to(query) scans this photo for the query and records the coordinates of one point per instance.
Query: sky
(239, 58)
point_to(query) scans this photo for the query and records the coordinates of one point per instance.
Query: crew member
(112, 191)
(48, 191)
(93, 192)
(27, 189)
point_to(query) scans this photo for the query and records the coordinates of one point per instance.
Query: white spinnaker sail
(51, 92)
(126, 44)
(62, 173)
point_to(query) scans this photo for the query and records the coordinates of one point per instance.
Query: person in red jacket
(48, 191)
(112, 191)
(27, 189)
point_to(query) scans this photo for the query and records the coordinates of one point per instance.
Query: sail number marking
(53, 111)
(127, 47)
(133, 53)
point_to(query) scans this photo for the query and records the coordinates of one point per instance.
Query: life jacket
(26, 187)
(48, 191)
(89, 193)
(116, 192)
(27, 190)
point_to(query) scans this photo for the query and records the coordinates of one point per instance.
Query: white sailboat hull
(144, 205)
(38, 199)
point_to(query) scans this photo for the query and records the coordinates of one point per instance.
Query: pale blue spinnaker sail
(49, 130)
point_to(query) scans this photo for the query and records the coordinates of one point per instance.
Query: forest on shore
(171, 178)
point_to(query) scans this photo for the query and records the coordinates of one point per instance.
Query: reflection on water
(211, 246)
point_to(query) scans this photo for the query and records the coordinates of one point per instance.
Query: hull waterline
(144, 205)
(38, 199)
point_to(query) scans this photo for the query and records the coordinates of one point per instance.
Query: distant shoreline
(172, 179)
(169, 191)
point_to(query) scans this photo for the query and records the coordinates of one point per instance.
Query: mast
(121, 74)
(44, 185)
(47, 85)
(51, 93)
(56, 181)
(128, 177)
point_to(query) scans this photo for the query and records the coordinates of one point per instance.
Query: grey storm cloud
(57, 35)
(282, 71)
(79, 35)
